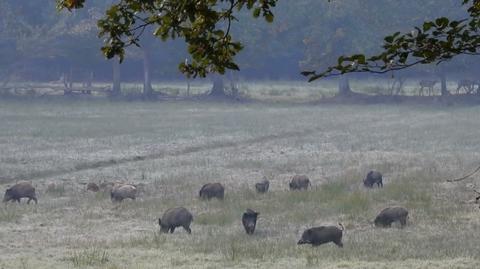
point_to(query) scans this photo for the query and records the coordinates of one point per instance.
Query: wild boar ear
(250, 211)
(159, 221)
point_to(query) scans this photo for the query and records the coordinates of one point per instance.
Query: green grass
(9, 213)
(89, 257)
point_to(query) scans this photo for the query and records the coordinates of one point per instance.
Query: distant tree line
(39, 43)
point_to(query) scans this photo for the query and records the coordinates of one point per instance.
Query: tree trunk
(233, 84)
(70, 79)
(90, 79)
(147, 80)
(67, 82)
(344, 86)
(218, 89)
(64, 80)
(116, 88)
(443, 90)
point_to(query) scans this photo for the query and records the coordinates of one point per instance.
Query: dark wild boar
(262, 186)
(391, 214)
(373, 177)
(20, 190)
(249, 221)
(322, 235)
(51, 187)
(175, 217)
(106, 186)
(212, 190)
(92, 187)
(299, 182)
(121, 192)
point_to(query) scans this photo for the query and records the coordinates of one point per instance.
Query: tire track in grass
(152, 156)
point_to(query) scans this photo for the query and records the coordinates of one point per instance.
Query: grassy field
(184, 145)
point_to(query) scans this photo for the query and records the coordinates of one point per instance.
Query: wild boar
(51, 187)
(20, 190)
(92, 187)
(212, 190)
(141, 187)
(175, 217)
(106, 187)
(391, 214)
(249, 221)
(321, 235)
(373, 177)
(299, 182)
(262, 186)
(121, 192)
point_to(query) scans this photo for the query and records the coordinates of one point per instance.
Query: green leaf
(360, 58)
(269, 17)
(219, 33)
(442, 22)
(427, 26)
(256, 12)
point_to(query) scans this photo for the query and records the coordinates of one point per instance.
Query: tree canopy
(434, 42)
(206, 27)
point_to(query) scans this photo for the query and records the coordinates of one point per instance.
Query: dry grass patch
(416, 149)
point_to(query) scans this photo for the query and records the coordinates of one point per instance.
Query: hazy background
(37, 43)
